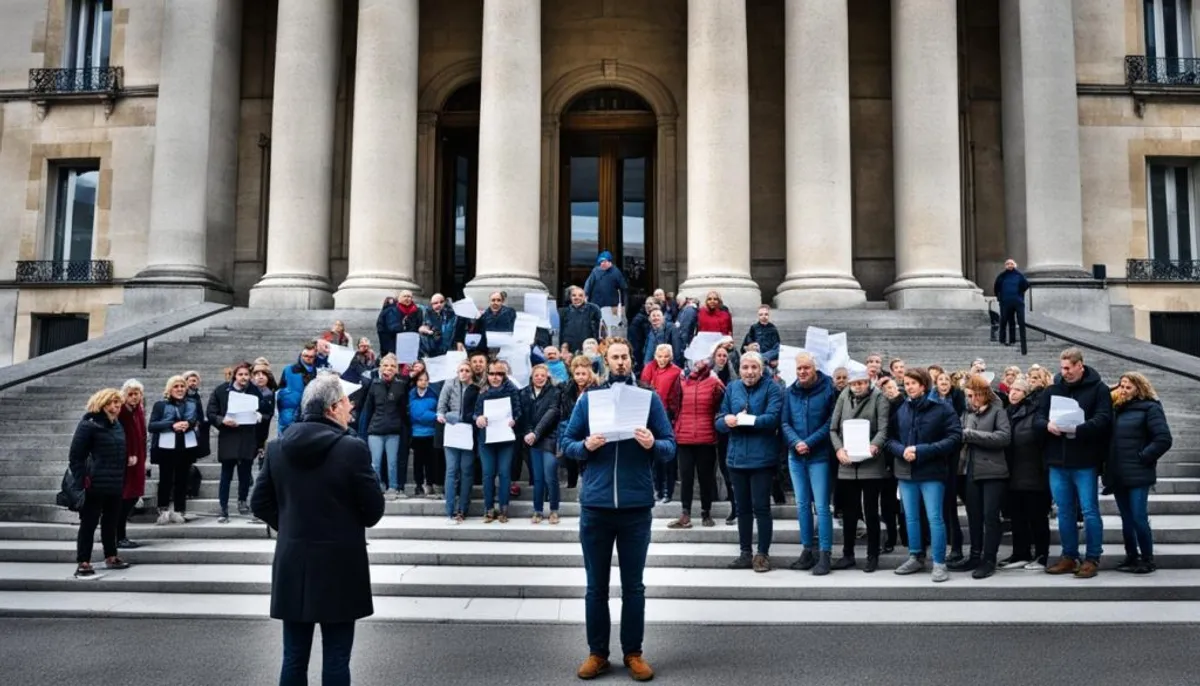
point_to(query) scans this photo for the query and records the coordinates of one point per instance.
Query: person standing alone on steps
(1010, 289)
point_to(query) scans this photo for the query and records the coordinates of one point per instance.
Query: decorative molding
(435, 93)
(609, 73)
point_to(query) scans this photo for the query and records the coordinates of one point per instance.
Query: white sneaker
(390, 494)
(176, 518)
(1038, 565)
(940, 573)
(164, 518)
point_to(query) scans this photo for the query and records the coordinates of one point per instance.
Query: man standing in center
(616, 498)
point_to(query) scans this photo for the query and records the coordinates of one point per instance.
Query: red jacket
(665, 382)
(698, 410)
(715, 321)
(134, 424)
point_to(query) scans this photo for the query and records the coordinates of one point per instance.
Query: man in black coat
(1010, 289)
(317, 488)
(578, 321)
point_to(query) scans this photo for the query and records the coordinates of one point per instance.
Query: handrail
(140, 332)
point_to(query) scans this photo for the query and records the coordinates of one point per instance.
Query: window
(57, 331)
(1169, 30)
(73, 219)
(89, 41)
(1171, 193)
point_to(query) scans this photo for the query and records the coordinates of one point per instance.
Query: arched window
(609, 100)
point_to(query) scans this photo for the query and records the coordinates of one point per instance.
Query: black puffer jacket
(1026, 468)
(1089, 446)
(98, 453)
(1140, 436)
(541, 415)
(385, 409)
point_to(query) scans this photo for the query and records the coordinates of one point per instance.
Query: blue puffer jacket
(752, 447)
(806, 413)
(422, 412)
(606, 287)
(767, 338)
(291, 391)
(620, 474)
(936, 432)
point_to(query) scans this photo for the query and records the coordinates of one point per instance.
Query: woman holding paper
(540, 405)
(1140, 437)
(862, 470)
(172, 425)
(234, 409)
(986, 433)
(497, 413)
(454, 402)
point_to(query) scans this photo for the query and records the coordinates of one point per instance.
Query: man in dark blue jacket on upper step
(1010, 289)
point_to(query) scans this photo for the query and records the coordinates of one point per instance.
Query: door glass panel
(585, 210)
(462, 189)
(632, 217)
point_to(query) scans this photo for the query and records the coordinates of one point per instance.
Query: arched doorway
(606, 188)
(458, 176)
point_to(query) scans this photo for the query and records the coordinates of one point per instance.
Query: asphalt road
(132, 652)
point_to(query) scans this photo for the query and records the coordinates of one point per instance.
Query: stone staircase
(425, 568)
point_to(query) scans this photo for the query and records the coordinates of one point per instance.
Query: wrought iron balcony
(1162, 71)
(71, 272)
(1163, 270)
(86, 80)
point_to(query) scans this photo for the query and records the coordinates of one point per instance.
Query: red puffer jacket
(715, 321)
(698, 411)
(665, 382)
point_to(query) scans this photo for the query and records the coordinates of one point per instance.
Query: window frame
(60, 205)
(1184, 42)
(89, 34)
(1171, 211)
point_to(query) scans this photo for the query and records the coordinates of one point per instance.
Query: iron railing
(85, 80)
(1162, 270)
(1162, 71)
(55, 271)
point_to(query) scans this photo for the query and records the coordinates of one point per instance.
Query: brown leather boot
(1087, 570)
(638, 668)
(593, 667)
(1065, 565)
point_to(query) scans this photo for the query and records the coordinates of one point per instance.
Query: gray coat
(985, 436)
(874, 408)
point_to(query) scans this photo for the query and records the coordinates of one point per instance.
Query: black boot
(805, 562)
(822, 566)
(1129, 564)
(954, 558)
(1146, 566)
(964, 565)
(872, 564)
(985, 569)
(844, 562)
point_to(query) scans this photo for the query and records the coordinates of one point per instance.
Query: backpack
(193, 489)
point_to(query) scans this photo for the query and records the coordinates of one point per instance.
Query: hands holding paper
(731, 420)
(594, 442)
(843, 457)
(644, 438)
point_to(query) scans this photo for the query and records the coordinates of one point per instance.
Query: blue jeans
(1134, 505)
(545, 479)
(460, 474)
(496, 459)
(599, 529)
(244, 481)
(810, 481)
(1078, 487)
(337, 639)
(914, 494)
(391, 445)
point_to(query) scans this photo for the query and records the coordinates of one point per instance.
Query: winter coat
(1010, 287)
(1026, 466)
(667, 335)
(385, 408)
(717, 320)
(568, 396)
(292, 382)
(619, 474)
(577, 324)
(1140, 437)
(503, 319)
(98, 454)
(450, 400)
(935, 431)
(444, 325)
(606, 287)
(806, 416)
(699, 401)
(757, 446)
(638, 331)
(874, 408)
(686, 321)
(422, 412)
(234, 443)
(541, 416)
(1089, 446)
(133, 422)
(266, 407)
(203, 440)
(665, 381)
(386, 323)
(508, 390)
(985, 436)
(163, 416)
(767, 338)
(318, 490)
(957, 400)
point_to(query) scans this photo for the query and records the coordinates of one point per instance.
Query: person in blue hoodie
(1010, 289)
(606, 285)
(807, 407)
(292, 383)
(749, 415)
(616, 499)
(497, 458)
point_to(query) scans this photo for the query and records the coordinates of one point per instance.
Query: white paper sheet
(816, 341)
(243, 418)
(498, 412)
(166, 440)
(444, 367)
(551, 315)
(1065, 413)
(466, 307)
(241, 402)
(349, 388)
(701, 347)
(989, 376)
(500, 339)
(616, 412)
(189, 439)
(856, 438)
(838, 355)
(525, 329)
(745, 419)
(460, 435)
(471, 340)
(535, 304)
(408, 347)
(787, 363)
(340, 358)
(610, 319)
(519, 365)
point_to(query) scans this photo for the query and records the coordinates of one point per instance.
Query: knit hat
(857, 371)
(606, 255)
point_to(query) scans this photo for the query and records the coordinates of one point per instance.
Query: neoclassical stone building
(810, 153)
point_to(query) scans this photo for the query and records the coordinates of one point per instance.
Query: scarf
(406, 311)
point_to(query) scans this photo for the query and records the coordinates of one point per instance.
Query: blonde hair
(1073, 355)
(583, 362)
(1142, 386)
(177, 379)
(101, 398)
(980, 387)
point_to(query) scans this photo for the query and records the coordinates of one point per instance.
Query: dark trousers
(425, 468)
(104, 510)
(243, 475)
(521, 457)
(572, 473)
(723, 465)
(983, 516)
(127, 506)
(889, 507)
(753, 488)
(860, 499)
(173, 472)
(1030, 527)
(337, 640)
(665, 476)
(1012, 318)
(697, 461)
(629, 530)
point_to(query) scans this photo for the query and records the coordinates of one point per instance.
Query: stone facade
(970, 115)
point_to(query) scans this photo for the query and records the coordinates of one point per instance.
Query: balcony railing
(1163, 270)
(86, 80)
(54, 271)
(1162, 71)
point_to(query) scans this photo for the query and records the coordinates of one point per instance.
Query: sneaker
(489, 517)
(742, 562)
(1129, 564)
(418, 492)
(116, 563)
(537, 518)
(431, 493)
(243, 508)
(706, 520)
(554, 518)
(177, 517)
(666, 500)
(164, 518)
(638, 668)
(452, 521)
(458, 518)
(1013, 562)
(223, 518)
(963, 565)
(844, 562)
(911, 566)
(1146, 566)
(390, 494)
(805, 562)
(1038, 565)
(940, 573)
(984, 570)
(593, 667)
(503, 518)
(1088, 569)
(401, 495)
(822, 566)
(761, 563)
(84, 569)
(872, 564)
(1064, 565)
(126, 544)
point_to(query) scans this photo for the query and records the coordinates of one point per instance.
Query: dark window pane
(1160, 247)
(585, 210)
(1183, 212)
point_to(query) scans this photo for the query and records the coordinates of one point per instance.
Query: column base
(292, 292)
(1079, 301)
(480, 288)
(367, 291)
(820, 292)
(179, 275)
(948, 292)
(737, 292)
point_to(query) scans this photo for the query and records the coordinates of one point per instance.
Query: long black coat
(317, 488)
(234, 443)
(1140, 436)
(98, 454)
(1026, 468)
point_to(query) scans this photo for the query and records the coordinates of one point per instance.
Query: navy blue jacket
(767, 338)
(806, 414)
(668, 335)
(1140, 436)
(577, 324)
(936, 432)
(509, 390)
(504, 320)
(752, 447)
(98, 454)
(1010, 287)
(639, 329)
(620, 474)
(606, 287)
(686, 322)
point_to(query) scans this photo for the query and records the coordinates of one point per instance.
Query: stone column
(926, 165)
(307, 63)
(1012, 118)
(383, 171)
(510, 126)
(197, 88)
(817, 141)
(718, 154)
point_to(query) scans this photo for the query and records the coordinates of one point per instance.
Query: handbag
(72, 494)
